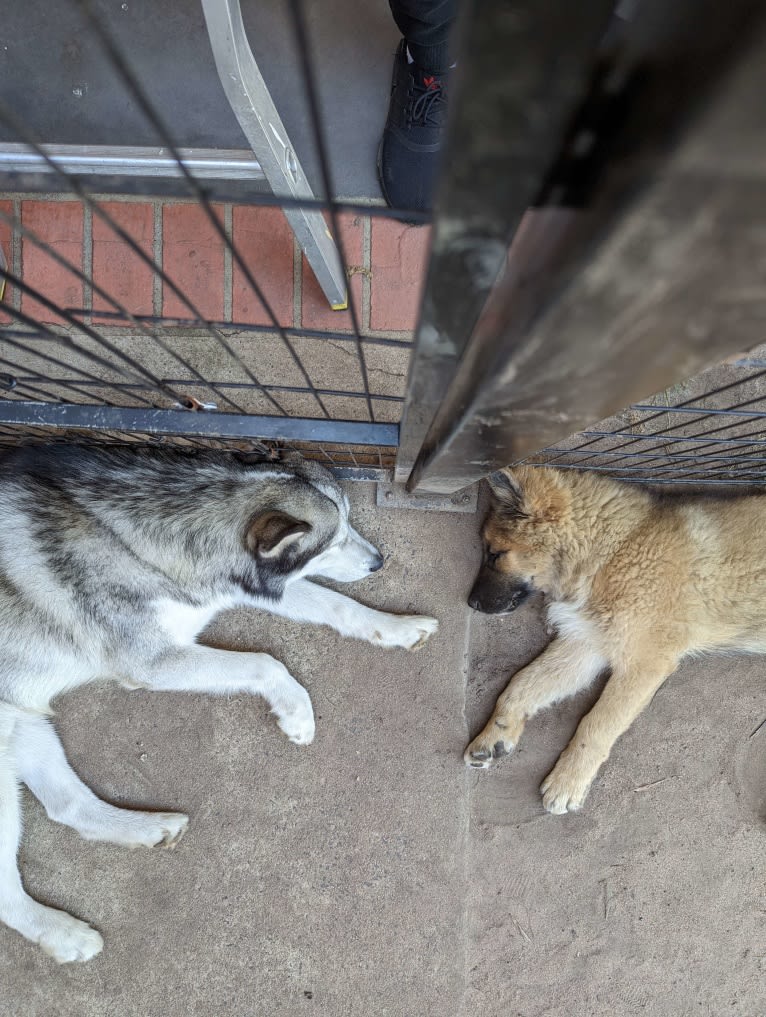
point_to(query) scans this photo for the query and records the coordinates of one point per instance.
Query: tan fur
(634, 584)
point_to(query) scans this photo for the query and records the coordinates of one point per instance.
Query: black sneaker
(408, 158)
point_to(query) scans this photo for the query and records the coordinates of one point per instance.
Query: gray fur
(90, 538)
(111, 563)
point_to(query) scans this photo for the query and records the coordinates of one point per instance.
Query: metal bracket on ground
(395, 496)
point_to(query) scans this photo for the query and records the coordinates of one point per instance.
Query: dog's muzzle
(496, 594)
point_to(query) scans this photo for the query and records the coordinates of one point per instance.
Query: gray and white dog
(111, 564)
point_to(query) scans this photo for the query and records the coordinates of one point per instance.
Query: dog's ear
(507, 493)
(272, 533)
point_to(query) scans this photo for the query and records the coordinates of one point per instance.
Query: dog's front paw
(161, 829)
(139, 829)
(67, 939)
(498, 739)
(171, 826)
(566, 786)
(296, 719)
(408, 631)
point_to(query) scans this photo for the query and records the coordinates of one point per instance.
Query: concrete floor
(370, 873)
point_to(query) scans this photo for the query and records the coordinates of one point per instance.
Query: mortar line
(15, 254)
(297, 284)
(367, 274)
(101, 196)
(176, 198)
(228, 218)
(87, 260)
(157, 207)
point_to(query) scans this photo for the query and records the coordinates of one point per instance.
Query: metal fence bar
(522, 70)
(233, 190)
(675, 456)
(218, 425)
(718, 390)
(67, 342)
(12, 390)
(707, 412)
(585, 330)
(344, 469)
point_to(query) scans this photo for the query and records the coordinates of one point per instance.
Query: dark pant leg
(426, 24)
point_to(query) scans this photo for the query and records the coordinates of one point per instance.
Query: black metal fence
(639, 262)
(708, 430)
(186, 380)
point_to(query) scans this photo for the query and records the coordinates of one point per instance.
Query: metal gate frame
(623, 201)
(568, 176)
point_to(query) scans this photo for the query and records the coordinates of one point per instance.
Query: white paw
(409, 631)
(157, 829)
(134, 829)
(68, 939)
(297, 720)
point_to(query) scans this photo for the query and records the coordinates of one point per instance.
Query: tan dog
(634, 583)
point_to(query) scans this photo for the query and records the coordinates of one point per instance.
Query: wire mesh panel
(184, 360)
(708, 430)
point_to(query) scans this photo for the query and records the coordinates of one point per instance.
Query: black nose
(377, 565)
(474, 602)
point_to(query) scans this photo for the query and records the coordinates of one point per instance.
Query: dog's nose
(474, 602)
(377, 563)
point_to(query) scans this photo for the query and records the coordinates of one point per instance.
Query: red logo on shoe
(431, 82)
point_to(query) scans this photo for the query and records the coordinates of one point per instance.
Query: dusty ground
(371, 874)
(650, 901)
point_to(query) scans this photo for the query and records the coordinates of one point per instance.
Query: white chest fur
(572, 626)
(184, 622)
(567, 618)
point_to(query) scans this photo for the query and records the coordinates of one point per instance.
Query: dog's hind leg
(63, 937)
(625, 695)
(561, 670)
(43, 767)
(226, 672)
